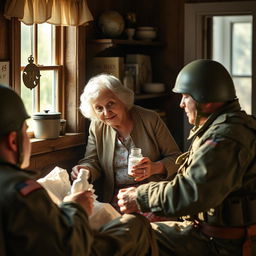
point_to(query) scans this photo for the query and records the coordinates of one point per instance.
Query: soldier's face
(189, 106)
(26, 146)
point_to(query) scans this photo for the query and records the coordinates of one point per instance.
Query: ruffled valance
(56, 12)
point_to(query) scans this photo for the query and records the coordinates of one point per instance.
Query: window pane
(26, 48)
(27, 97)
(241, 48)
(232, 46)
(244, 92)
(44, 96)
(47, 91)
(45, 44)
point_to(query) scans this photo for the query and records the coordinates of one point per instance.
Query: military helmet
(205, 81)
(12, 111)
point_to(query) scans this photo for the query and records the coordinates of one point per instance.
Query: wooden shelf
(150, 96)
(42, 146)
(115, 42)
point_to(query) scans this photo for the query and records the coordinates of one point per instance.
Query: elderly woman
(117, 125)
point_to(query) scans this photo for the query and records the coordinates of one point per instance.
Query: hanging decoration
(31, 74)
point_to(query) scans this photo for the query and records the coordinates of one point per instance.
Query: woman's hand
(76, 169)
(146, 168)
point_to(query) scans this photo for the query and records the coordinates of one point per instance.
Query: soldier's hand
(84, 198)
(127, 200)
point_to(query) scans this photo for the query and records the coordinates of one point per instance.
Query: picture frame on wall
(134, 70)
(5, 73)
(144, 64)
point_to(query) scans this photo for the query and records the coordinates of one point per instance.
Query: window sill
(42, 146)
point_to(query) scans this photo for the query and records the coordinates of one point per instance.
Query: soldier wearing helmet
(214, 190)
(31, 224)
(205, 81)
(13, 115)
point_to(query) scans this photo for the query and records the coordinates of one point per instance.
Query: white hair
(101, 82)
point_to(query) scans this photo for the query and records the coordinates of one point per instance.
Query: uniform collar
(9, 164)
(229, 107)
(15, 167)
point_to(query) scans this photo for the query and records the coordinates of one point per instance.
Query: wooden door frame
(195, 36)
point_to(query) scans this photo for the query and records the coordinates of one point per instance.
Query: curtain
(56, 12)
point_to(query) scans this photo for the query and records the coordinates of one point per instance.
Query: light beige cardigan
(149, 133)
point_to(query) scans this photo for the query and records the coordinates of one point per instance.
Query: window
(62, 55)
(232, 46)
(40, 41)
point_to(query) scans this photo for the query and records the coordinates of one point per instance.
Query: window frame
(58, 66)
(72, 53)
(221, 48)
(196, 33)
(59, 69)
(232, 31)
(225, 27)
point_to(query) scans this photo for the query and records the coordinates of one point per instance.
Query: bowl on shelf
(153, 87)
(146, 33)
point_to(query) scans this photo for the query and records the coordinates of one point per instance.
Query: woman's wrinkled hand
(127, 200)
(75, 171)
(145, 168)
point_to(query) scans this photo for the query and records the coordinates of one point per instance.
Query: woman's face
(109, 109)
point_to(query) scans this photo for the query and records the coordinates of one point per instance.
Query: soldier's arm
(43, 227)
(204, 184)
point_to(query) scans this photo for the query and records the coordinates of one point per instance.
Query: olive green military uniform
(31, 224)
(215, 186)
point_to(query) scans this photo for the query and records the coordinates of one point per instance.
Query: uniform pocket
(250, 209)
(233, 211)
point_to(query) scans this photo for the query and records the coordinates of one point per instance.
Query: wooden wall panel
(74, 73)
(169, 17)
(4, 39)
(66, 158)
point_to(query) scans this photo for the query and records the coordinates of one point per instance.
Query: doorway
(231, 45)
(224, 32)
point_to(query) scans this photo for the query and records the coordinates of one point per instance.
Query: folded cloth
(102, 213)
(58, 185)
